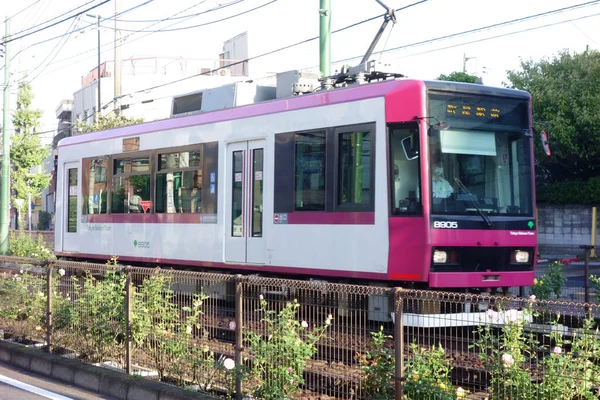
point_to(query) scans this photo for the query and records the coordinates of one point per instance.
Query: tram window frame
(126, 175)
(415, 209)
(85, 181)
(325, 189)
(338, 132)
(158, 171)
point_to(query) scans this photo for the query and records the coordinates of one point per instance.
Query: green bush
(570, 192)
(21, 245)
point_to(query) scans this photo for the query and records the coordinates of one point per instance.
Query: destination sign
(472, 110)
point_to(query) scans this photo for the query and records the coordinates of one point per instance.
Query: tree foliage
(565, 94)
(458, 76)
(26, 150)
(106, 122)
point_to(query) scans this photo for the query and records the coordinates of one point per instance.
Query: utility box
(291, 83)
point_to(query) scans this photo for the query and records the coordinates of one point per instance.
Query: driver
(441, 188)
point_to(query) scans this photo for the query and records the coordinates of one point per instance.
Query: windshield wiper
(471, 197)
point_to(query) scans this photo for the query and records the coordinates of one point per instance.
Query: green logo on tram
(530, 224)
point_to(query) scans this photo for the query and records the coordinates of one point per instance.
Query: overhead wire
(24, 9)
(12, 39)
(220, 7)
(470, 31)
(50, 54)
(111, 45)
(203, 24)
(52, 19)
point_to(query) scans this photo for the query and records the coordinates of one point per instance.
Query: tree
(565, 94)
(26, 152)
(458, 76)
(106, 122)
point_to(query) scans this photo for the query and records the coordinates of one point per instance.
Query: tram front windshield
(480, 155)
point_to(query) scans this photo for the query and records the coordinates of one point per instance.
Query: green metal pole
(5, 183)
(325, 37)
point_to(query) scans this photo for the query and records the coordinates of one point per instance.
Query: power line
(220, 7)
(79, 30)
(199, 25)
(26, 8)
(389, 50)
(487, 27)
(111, 44)
(12, 39)
(503, 35)
(51, 19)
(52, 51)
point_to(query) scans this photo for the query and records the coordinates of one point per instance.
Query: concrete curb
(89, 377)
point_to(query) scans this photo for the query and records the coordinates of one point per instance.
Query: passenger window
(94, 186)
(130, 186)
(354, 168)
(310, 172)
(405, 178)
(72, 201)
(179, 182)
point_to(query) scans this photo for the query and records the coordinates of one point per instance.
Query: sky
(55, 59)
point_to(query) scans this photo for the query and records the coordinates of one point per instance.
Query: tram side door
(244, 221)
(70, 206)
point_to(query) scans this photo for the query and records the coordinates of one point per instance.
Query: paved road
(20, 385)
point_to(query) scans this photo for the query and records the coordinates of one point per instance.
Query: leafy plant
(158, 326)
(100, 313)
(550, 283)
(22, 245)
(280, 354)
(428, 373)
(379, 365)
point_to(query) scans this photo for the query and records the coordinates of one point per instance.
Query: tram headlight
(520, 256)
(440, 257)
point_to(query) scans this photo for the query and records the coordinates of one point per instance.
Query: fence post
(398, 343)
(594, 223)
(128, 301)
(49, 307)
(586, 281)
(238, 335)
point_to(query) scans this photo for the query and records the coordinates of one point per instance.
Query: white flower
(61, 272)
(261, 297)
(21, 271)
(557, 350)
(232, 325)
(329, 316)
(532, 297)
(508, 360)
(512, 315)
(304, 324)
(41, 294)
(229, 363)
(188, 329)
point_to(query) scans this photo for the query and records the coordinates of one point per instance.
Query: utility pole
(465, 59)
(99, 107)
(117, 74)
(5, 182)
(325, 37)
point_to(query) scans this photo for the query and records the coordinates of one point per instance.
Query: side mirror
(545, 143)
(409, 151)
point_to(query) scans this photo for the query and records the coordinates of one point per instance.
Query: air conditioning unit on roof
(224, 72)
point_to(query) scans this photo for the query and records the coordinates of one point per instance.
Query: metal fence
(237, 336)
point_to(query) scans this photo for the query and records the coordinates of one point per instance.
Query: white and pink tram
(338, 184)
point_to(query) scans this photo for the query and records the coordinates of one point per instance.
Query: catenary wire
(12, 39)
(220, 7)
(539, 15)
(24, 9)
(200, 25)
(51, 19)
